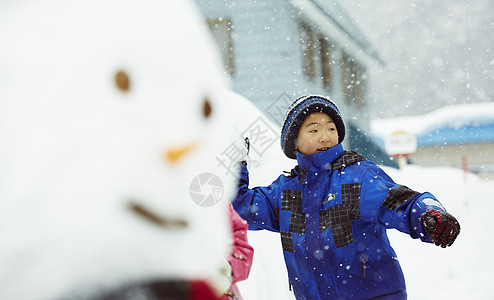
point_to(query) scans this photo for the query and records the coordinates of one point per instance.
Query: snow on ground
(459, 272)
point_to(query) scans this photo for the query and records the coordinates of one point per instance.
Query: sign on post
(401, 144)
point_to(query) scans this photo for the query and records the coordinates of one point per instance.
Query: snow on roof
(461, 123)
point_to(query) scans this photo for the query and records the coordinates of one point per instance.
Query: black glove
(247, 148)
(247, 145)
(443, 227)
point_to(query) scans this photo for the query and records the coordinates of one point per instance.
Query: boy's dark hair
(296, 114)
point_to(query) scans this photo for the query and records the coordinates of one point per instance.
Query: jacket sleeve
(395, 206)
(242, 253)
(259, 205)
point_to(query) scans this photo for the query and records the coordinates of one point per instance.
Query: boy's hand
(247, 149)
(443, 227)
(247, 145)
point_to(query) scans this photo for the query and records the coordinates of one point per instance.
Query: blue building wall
(265, 45)
(457, 136)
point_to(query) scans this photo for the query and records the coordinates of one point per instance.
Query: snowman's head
(109, 110)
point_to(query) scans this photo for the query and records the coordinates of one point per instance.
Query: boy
(333, 210)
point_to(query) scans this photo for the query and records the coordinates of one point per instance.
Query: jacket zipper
(364, 268)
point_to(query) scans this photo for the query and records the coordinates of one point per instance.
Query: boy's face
(317, 133)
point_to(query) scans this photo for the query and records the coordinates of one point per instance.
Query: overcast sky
(436, 53)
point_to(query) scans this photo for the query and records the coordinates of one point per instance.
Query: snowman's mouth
(154, 218)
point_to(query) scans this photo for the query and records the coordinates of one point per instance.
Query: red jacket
(241, 256)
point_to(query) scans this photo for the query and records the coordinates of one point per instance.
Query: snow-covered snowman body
(108, 110)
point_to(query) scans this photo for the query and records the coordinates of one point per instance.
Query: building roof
(337, 15)
(451, 125)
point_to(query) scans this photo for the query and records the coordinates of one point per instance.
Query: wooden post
(402, 161)
(464, 165)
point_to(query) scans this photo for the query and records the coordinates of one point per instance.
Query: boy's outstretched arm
(259, 205)
(429, 220)
(420, 215)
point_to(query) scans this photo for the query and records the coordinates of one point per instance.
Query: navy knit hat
(295, 116)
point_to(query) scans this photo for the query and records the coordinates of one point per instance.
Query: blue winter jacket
(332, 212)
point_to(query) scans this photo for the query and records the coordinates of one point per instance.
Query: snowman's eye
(206, 108)
(122, 81)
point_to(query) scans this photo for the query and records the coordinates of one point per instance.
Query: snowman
(109, 112)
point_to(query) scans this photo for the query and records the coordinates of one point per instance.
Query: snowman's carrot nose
(174, 155)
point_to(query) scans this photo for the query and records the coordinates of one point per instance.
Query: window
(317, 56)
(322, 59)
(221, 30)
(308, 50)
(353, 77)
(360, 84)
(346, 77)
(326, 51)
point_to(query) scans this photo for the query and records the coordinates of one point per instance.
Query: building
(277, 50)
(460, 136)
